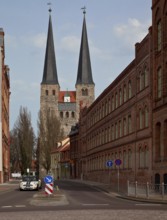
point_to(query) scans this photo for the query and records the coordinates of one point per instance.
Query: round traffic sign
(48, 179)
(118, 162)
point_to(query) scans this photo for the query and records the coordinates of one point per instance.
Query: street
(75, 200)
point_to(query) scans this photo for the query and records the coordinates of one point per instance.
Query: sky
(113, 28)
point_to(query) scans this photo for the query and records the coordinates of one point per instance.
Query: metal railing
(147, 190)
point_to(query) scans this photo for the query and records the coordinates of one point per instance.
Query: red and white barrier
(49, 188)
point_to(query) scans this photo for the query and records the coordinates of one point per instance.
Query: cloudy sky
(113, 29)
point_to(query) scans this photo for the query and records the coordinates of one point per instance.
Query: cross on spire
(84, 10)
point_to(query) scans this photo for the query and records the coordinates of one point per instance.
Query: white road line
(148, 204)
(20, 206)
(6, 206)
(94, 204)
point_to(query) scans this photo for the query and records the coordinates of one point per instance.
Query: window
(129, 90)
(146, 117)
(112, 103)
(159, 83)
(140, 119)
(73, 114)
(120, 97)
(120, 129)
(61, 114)
(67, 114)
(145, 77)
(158, 140)
(129, 124)
(53, 92)
(46, 92)
(124, 93)
(124, 124)
(116, 130)
(116, 100)
(84, 92)
(159, 35)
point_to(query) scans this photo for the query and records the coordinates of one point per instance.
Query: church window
(53, 92)
(84, 92)
(46, 92)
(67, 114)
(61, 114)
(73, 114)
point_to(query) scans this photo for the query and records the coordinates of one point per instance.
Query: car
(30, 183)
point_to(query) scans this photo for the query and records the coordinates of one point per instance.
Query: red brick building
(4, 114)
(128, 121)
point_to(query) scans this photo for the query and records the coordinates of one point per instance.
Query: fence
(147, 190)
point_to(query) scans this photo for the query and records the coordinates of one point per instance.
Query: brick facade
(4, 114)
(129, 119)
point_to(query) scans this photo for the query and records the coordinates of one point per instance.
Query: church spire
(84, 75)
(50, 70)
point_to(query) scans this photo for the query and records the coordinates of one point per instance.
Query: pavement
(58, 198)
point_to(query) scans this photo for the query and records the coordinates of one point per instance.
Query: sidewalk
(107, 188)
(10, 185)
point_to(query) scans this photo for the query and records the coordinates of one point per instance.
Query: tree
(23, 140)
(50, 133)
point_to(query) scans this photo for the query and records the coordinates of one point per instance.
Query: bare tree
(50, 133)
(23, 139)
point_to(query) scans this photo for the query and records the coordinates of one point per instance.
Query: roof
(64, 145)
(72, 95)
(84, 75)
(50, 70)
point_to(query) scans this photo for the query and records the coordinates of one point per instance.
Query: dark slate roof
(50, 70)
(84, 75)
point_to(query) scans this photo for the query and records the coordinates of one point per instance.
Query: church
(67, 104)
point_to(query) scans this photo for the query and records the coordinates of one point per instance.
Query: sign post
(48, 185)
(118, 163)
(109, 164)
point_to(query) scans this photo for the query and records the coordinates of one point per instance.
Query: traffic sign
(109, 163)
(48, 179)
(118, 162)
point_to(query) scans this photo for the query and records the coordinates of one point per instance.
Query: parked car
(30, 183)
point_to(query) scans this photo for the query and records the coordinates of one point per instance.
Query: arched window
(67, 114)
(124, 126)
(124, 93)
(129, 124)
(145, 77)
(158, 141)
(129, 158)
(140, 119)
(120, 129)
(159, 35)
(116, 100)
(129, 90)
(165, 140)
(124, 159)
(73, 114)
(146, 117)
(120, 97)
(146, 159)
(116, 130)
(159, 83)
(84, 92)
(61, 114)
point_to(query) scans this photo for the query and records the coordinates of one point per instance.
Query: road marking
(148, 204)
(20, 206)
(94, 204)
(6, 206)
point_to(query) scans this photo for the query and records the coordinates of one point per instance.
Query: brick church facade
(128, 121)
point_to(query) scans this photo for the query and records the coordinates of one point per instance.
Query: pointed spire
(84, 75)
(50, 70)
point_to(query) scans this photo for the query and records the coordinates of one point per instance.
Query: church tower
(84, 83)
(49, 86)
(66, 104)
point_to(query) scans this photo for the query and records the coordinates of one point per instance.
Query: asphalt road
(79, 200)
